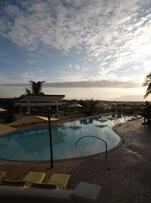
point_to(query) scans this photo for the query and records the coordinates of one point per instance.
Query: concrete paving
(125, 175)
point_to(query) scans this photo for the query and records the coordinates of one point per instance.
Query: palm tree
(147, 83)
(36, 87)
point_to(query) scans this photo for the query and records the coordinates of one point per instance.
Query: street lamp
(50, 138)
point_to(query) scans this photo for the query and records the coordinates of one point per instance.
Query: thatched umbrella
(2, 110)
(75, 105)
(33, 119)
(101, 105)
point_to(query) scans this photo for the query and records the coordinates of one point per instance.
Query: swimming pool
(34, 144)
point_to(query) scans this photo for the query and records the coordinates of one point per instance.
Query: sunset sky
(85, 49)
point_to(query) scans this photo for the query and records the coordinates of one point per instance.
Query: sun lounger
(61, 180)
(57, 181)
(2, 176)
(82, 193)
(28, 180)
(86, 192)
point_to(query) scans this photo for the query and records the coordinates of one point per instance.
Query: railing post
(106, 148)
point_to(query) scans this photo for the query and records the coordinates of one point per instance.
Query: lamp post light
(50, 138)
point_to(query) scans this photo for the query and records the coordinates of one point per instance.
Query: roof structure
(42, 100)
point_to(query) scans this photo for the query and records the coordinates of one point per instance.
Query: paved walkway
(125, 175)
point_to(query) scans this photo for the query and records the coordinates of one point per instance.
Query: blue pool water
(34, 144)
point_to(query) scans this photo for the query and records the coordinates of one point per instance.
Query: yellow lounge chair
(2, 176)
(29, 179)
(57, 181)
(61, 180)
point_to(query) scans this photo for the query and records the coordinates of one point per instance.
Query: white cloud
(37, 75)
(116, 34)
(62, 27)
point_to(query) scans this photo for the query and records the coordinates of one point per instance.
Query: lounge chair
(57, 181)
(2, 176)
(28, 180)
(86, 192)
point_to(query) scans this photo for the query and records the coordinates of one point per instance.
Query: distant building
(48, 101)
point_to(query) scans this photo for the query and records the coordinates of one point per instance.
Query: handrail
(93, 137)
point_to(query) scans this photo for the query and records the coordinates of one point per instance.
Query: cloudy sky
(85, 49)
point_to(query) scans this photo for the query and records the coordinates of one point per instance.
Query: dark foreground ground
(125, 175)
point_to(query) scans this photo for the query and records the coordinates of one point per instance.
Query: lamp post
(50, 138)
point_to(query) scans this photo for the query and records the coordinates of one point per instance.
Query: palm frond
(149, 87)
(148, 91)
(148, 84)
(28, 91)
(36, 87)
(147, 80)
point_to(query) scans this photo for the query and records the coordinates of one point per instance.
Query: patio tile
(102, 165)
(19, 170)
(61, 168)
(83, 169)
(119, 162)
(74, 181)
(148, 156)
(97, 158)
(139, 169)
(75, 164)
(95, 178)
(143, 198)
(41, 167)
(130, 187)
(125, 201)
(133, 159)
(111, 194)
(144, 179)
(115, 174)
(146, 167)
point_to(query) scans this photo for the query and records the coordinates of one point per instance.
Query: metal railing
(93, 137)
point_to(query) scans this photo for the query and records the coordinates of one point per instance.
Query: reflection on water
(74, 127)
(35, 141)
(84, 122)
(3, 145)
(101, 126)
(34, 144)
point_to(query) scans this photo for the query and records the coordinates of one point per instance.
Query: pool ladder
(93, 137)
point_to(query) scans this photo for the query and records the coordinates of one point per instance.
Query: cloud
(131, 98)
(84, 84)
(65, 24)
(93, 84)
(36, 75)
(114, 34)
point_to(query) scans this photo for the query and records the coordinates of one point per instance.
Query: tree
(147, 83)
(36, 88)
(146, 113)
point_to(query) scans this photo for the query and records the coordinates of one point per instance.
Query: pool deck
(125, 175)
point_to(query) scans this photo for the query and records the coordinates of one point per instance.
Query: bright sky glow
(85, 49)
